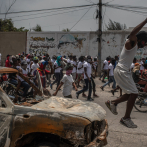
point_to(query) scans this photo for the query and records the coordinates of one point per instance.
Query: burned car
(51, 122)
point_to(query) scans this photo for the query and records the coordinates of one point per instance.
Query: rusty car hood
(88, 110)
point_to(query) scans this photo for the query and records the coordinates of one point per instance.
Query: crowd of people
(77, 71)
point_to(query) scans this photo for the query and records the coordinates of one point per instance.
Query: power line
(48, 9)
(39, 13)
(50, 15)
(81, 18)
(130, 10)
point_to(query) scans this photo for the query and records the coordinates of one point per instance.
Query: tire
(139, 105)
(46, 144)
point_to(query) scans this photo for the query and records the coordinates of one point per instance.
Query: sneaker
(112, 107)
(51, 86)
(128, 123)
(77, 95)
(90, 99)
(102, 88)
(103, 81)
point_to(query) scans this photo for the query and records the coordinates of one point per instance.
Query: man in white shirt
(105, 69)
(80, 70)
(87, 79)
(111, 75)
(70, 59)
(35, 65)
(133, 64)
(74, 71)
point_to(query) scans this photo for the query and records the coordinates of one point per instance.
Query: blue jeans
(88, 85)
(26, 87)
(111, 79)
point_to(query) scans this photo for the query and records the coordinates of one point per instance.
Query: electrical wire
(50, 15)
(133, 11)
(48, 9)
(80, 18)
(41, 13)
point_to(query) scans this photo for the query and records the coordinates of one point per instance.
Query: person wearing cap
(67, 81)
(123, 76)
(35, 65)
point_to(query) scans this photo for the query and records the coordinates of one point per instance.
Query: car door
(5, 122)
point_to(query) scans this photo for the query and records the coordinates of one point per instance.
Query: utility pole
(99, 36)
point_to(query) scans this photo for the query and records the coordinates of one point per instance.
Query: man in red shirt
(7, 63)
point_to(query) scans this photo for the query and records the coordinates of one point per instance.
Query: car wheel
(46, 144)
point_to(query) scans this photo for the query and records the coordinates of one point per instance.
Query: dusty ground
(119, 135)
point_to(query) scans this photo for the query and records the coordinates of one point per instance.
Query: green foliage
(112, 25)
(8, 26)
(66, 30)
(37, 28)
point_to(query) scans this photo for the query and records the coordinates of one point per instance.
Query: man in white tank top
(123, 76)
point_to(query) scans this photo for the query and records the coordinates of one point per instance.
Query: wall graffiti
(69, 39)
(41, 45)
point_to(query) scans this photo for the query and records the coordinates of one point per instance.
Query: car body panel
(88, 110)
(66, 118)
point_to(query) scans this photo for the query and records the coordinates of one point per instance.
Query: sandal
(84, 95)
(95, 95)
(111, 107)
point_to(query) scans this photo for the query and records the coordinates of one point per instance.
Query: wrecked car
(51, 122)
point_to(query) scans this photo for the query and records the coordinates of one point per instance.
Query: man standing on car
(123, 75)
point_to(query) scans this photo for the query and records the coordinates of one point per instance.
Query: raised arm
(132, 40)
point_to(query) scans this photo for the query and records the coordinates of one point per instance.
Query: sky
(68, 20)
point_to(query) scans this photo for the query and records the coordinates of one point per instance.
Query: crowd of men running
(78, 70)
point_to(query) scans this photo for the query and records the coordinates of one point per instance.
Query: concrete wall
(76, 43)
(61, 43)
(12, 43)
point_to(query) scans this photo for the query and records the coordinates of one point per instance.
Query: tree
(112, 25)
(66, 30)
(37, 28)
(8, 26)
